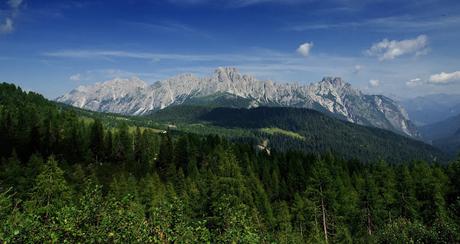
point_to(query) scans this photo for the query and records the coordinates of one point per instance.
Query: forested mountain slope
(70, 178)
(300, 129)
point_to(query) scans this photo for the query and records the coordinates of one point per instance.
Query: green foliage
(50, 186)
(173, 224)
(65, 178)
(233, 221)
(300, 129)
(403, 231)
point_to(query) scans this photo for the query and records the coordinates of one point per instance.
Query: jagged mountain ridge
(331, 95)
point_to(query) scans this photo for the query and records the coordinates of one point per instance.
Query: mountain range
(430, 109)
(229, 88)
(444, 134)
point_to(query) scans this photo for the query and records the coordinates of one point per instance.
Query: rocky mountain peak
(227, 74)
(334, 81)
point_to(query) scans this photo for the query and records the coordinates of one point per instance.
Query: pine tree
(109, 153)
(181, 153)
(407, 199)
(385, 180)
(284, 226)
(369, 203)
(320, 191)
(165, 164)
(97, 140)
(51, 190)
(13, 175)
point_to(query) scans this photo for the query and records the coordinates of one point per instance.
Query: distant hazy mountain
(442, 129)
(438, 119)
(444, 134)
(430, 109)
(228, 88)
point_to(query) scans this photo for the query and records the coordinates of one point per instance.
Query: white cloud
(304, 49)
(391, 49)
(414, 82)
(444, 78)
(7, 26)
(75, 77)
(374, 83)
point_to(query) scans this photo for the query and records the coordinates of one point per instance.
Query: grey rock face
(330, 95)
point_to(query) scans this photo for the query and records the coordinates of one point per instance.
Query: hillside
(284, 128)
(316, 132)
(70, 175)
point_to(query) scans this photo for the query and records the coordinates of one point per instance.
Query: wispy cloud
(164, 26)
(108, 54)
(168, 26)
(414, 82)
(385, 24)
(236, 3)
(391, 49)
(253, 2)
(7, 25)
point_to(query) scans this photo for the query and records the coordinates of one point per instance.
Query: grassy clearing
(275, 130)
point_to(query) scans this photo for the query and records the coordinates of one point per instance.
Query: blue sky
(402, 48)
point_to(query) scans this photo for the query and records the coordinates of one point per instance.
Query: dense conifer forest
(65, 177)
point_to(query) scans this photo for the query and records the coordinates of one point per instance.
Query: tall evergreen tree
(165, 163)
(97, 140)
